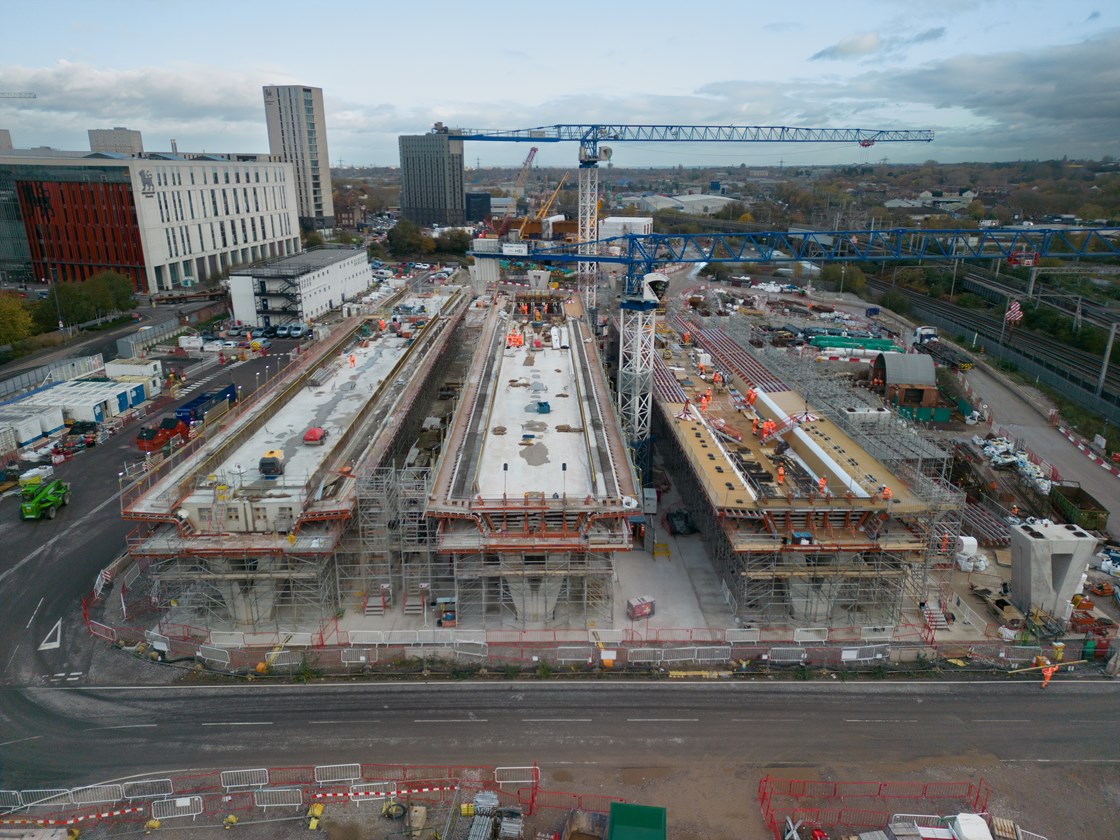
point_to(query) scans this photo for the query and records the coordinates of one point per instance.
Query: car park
(421, 266)
(296, 331)
(282, 330)
(270, 332)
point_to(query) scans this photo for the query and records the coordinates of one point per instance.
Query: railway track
(1075, 366)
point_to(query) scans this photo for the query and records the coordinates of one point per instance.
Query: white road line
(1000, 720)
(72, 679)
(1052, 760)
(240, 723)
(451, 720)
(63, 674)
(556, 720)
(75, 673)
(20, 740)
(124, 726)
(767, 720)
(881, 720)
(35, 613)
(341, 722)
(662, 720)
(10, 658)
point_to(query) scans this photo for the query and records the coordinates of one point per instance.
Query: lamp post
(57, 305)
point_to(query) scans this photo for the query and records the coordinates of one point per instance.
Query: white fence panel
(182, 806)
(45, 797)
(257, 777)
(281, 658)
(10, 799)
(222, 638)
(371, 790)
(99, 584)
(102, 631)
(213, 654)
(787, 654)
(97, 794)
(365, 637)
(358, 656)
(132, 574)
(278, 798)
(471, 649)
(148, 788)
(157, 640)
(671, 655)
(713, 654)
(471, 636)
(743, 635)
(1020, 654)
(517, 775)
(803, 635)
(644, 655)
(566, 655)
(326, 774)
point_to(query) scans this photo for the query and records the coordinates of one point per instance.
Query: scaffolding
(859, 563)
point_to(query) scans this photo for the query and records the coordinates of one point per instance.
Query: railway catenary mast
(642, 253)
(636, 318)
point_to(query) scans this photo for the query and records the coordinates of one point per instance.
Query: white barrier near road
(278, 798)
(182, 806)
(97, 794)
(257, 777)
(148, 788)
(326, 774)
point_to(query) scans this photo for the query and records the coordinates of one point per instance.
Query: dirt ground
(718, 800)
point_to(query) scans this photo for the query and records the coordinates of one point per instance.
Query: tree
(453, 242)
(403, 239)
(15, 320)
(312, 240)
(109, 292)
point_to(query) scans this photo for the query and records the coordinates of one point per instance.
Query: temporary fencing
(209, 796)
(829, 805)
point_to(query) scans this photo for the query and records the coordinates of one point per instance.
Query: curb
(1069, 435)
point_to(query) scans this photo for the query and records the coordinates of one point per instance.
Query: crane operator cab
(272, 463)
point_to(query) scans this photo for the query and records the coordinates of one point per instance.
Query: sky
(995, 79)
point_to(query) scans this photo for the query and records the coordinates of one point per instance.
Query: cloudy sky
(996, 79)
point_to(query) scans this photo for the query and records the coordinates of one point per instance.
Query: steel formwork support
(588, 213)
(635, 369)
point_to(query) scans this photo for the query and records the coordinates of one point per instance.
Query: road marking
(1000, 720)
(124, 726)
(20, 740)
(556, 720)
(10, 658)
(72, 679)
(63, 674)
(240, 723)
(767, 720)
(662, 720)
(881, 720)
(343, 722)
(75, 673)
(47, 644)
(451, 720)
(1049, 760)
(35, 613)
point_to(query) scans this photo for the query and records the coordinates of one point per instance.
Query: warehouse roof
(907, 369)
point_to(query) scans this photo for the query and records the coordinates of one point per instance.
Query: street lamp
(57, 305)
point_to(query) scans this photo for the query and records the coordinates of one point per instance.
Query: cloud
(871, 43)
(853, 46)
(1094, 15)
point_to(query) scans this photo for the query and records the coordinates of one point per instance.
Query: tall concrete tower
(297, 132)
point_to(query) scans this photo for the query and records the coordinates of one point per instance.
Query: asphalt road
(46, 566)
(130, 730)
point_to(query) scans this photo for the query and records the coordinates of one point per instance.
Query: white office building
(299, 288)
(165, 220)
(297, 133)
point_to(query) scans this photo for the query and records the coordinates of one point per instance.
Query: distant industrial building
(432, 179)
(477, 206)
(163, 220)
(5, 140)
(624, 225)
(116, 140)
(300, 287)
(297, 132)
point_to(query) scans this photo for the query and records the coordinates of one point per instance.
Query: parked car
(263, 343)
(296, 331)
(421, 266)
(270, 332)
(282, 330)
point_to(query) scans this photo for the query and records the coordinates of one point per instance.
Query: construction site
(491, 457)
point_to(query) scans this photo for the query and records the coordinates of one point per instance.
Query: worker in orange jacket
(781, 474)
